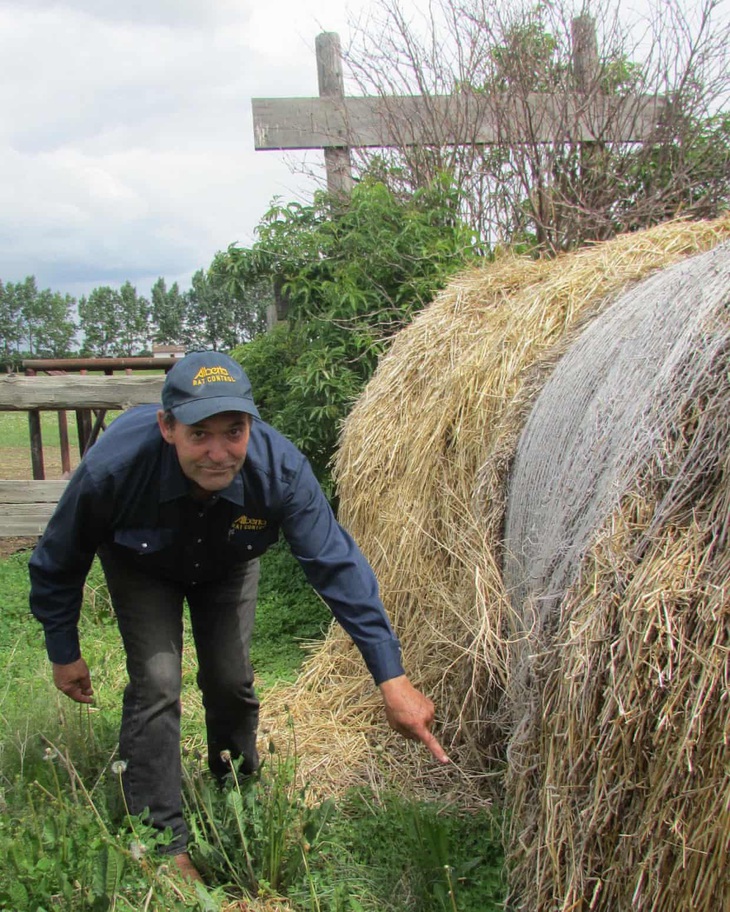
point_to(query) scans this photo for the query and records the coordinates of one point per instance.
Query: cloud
(173, 13)
(125, 132)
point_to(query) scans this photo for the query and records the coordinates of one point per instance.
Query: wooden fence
(26, 506)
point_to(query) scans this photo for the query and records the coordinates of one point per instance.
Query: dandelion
(137, 850)
(119, 767)
(50, 753)
(226, 757)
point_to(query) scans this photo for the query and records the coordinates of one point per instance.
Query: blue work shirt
(129, 493)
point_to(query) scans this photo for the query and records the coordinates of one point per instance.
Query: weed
(256, 831)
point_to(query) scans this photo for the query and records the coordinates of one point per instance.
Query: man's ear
(164, 427)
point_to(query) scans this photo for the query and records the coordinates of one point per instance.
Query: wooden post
(332, 85)
(83, 428)
(36, 444)
(585, 52)
(63, 440)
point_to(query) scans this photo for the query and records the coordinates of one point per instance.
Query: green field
(67, 844)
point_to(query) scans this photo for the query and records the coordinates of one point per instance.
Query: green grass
(14, 429)
(67, 844)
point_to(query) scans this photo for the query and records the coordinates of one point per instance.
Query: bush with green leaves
(350, 276)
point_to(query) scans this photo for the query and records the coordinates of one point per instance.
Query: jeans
(149, 612)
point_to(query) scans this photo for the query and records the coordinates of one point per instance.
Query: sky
(126, 139)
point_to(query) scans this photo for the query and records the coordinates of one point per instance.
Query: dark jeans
(150, 616)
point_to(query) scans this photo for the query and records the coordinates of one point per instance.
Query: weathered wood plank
(18, 393)
(26, 506)
(24, 520)
(28, 492)
(314, 123)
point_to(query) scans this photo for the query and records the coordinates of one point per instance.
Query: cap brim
(198, 410)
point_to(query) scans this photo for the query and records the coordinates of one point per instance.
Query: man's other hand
(411, 714)
(74, 680)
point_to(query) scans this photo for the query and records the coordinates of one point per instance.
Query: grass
(15, 443)
(67, 843)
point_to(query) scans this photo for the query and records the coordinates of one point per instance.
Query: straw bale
(617, 549)
(422, 474)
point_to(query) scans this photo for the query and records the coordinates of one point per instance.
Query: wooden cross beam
(337, 123)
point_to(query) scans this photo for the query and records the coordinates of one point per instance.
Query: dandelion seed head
(137, 850)
(119, 767)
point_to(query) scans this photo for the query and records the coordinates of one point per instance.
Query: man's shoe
(186, 867)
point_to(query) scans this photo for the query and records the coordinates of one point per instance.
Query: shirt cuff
(62, 646)
(383, 659)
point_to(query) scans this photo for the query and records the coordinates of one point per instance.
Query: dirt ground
(15, 464)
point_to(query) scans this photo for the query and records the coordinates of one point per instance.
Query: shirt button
(196, 566)
(201, 514)
(249, 547)
(200, 541)
(144, 544)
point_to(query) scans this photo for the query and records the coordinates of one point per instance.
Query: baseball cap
(206, 383)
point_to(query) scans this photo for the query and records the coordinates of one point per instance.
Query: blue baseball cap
(206, 383)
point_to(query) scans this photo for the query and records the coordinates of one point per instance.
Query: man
(179, 503)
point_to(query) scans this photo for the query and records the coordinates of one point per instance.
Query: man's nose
(217, 450)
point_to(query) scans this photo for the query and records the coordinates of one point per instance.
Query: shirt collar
(173, 484)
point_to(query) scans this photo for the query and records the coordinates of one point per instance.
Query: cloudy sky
(126, 147)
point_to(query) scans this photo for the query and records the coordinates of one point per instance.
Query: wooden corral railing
(26, 506)
(89, 421)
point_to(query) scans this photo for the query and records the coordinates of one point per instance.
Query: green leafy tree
(99, 318)
(48, 326)
(168, 313)
(269, 360)
(34, 323)
(134, 322)
(350, 281)
(115, 322)
(11, 331)
(222, 316)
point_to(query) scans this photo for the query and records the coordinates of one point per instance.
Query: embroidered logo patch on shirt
(212, 375)
(248, 524)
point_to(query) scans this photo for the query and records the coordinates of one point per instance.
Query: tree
(99, 321)
(115, 322)
(350, 279)
(33, 322)
(555, 191)
(168, 313)
(221, 316)
(48, 327)
(11, 332)
(134, 322)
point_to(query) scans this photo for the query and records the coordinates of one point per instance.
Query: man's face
(212, 452)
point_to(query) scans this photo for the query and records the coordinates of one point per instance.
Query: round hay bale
(616, 554)
(422, 475)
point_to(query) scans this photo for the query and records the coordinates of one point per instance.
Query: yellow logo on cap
(212, 375)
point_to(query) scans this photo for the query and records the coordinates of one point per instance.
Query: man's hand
(74, 680)
(411, 714)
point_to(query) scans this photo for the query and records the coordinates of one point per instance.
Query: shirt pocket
(143, 541)
(249, 538)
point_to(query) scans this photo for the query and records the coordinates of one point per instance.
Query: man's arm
(411, 714)
(58, 569)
